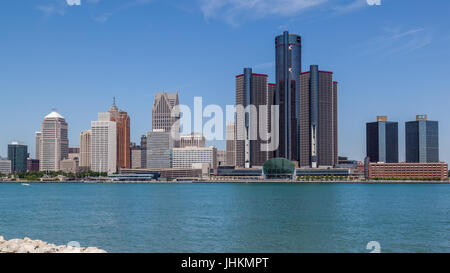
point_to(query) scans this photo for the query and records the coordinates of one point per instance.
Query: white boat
(25, 184)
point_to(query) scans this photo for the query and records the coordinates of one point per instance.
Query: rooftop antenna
(54, 109)
(114, 101)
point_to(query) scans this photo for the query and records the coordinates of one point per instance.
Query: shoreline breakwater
(27, 245)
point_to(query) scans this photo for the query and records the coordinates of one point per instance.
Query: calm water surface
(230, 217)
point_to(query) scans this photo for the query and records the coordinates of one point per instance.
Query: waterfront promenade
(242, 181)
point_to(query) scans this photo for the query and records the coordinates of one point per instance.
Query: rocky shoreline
(27, 245)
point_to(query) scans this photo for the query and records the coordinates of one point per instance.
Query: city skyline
(369, 86)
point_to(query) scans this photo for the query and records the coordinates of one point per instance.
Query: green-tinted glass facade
(18, 154)
(277, 168)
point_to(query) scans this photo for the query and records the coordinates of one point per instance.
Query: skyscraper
(136, 156)
(143, 151)
(382, 140)
(18, 154)
(123, 135)
(318, 119)
(163, 105)
(192, 140)
(422, 140)
(104, 144)
(288, 59)
(38, 147)
(54, 142)
(85, 149)
(230, 153)
(159, 146)
(252, 95)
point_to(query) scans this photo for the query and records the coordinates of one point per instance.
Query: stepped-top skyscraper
(163, 105)
(54, 142)
(288, 59)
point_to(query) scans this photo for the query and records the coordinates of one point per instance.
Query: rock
(37, 246)
(93, 250)
(26, 248)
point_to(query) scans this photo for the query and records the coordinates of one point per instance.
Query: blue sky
(389, 60)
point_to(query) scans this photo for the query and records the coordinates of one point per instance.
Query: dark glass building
(422, 140)
(18, 154)
(288, 59)
(318, 119)
(382, 140)
(143, 151)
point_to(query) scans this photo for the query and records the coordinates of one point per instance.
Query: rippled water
(230, 217)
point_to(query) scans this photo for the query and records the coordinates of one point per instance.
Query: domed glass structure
(278, 168)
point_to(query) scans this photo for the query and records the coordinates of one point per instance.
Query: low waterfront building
(5, 166)
(32, 165)
(185, 157)
(168, 174)
(70, 165)
(74, 153)
(134, 177)
(279, 168)
(413, 171)
(328, 172)
(221, 157)
(233, 173)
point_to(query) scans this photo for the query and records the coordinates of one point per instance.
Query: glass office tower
(382, 140)
(18, 154)
(422, 140)
(288, 58)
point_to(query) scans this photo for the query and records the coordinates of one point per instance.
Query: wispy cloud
(102, 18)
(57, 7)
(350, 7)
(264, 65)
(51, 9)
(236, 11)
(73, 2)
(398, 40)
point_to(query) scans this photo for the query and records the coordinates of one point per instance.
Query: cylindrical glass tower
(288, 58)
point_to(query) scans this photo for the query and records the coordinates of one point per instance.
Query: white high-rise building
(85, 148)
(37, 154)
(104, 144)
(54, 143)
(185, 158)
(5, 166)
(192, 140)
